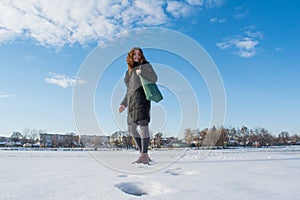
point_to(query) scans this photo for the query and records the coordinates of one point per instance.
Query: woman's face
(136, 55)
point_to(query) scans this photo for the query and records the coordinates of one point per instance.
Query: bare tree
(295, 139)
(244, 136)
(211, 137)
(16, 136)
(189, 136)
(127, 141)
(232, 137)
(25, 132)
(223, 137)
(158, 140)
(283, 138)
(33, 134)
(54, 141)
(116, 138)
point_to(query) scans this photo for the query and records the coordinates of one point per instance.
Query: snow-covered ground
(266, 173)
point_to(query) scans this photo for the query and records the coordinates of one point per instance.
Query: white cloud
(63, 80)
(151, 13)
(213, 3)
(58, 23)
(4, 96)
(241, 12)
(215, 20)
(244, 45)
(179, 9)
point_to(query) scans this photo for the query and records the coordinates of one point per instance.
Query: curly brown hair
(129, 58)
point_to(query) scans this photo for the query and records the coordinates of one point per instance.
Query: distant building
(6, 141)
(94, 141)
(59, 140)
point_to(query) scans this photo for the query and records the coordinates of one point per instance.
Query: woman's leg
(145, 137)
(132, 129)
(145, 141)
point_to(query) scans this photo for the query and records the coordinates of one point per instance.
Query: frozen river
(265, 173)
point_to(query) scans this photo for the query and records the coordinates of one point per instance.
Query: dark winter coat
(138, 107)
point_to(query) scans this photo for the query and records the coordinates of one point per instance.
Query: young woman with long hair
(138, 107)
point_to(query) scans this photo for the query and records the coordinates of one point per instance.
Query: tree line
(221, 137)
(243, 136)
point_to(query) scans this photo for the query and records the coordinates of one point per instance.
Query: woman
(138, 106)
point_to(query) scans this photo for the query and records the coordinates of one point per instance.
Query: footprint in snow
(140, 188)
(179, 171)
(174, 171)
(129, 176)
(133, 188)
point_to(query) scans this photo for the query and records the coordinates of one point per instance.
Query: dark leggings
(142, 139)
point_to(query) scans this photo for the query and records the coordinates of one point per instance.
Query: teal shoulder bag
(151, 90)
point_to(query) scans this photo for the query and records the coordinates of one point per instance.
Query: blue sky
(254, 44)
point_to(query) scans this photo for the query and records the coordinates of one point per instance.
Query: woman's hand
(121, 108)
(138, 72)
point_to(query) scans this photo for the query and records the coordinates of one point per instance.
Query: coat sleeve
(124, 101)
(148, 73)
